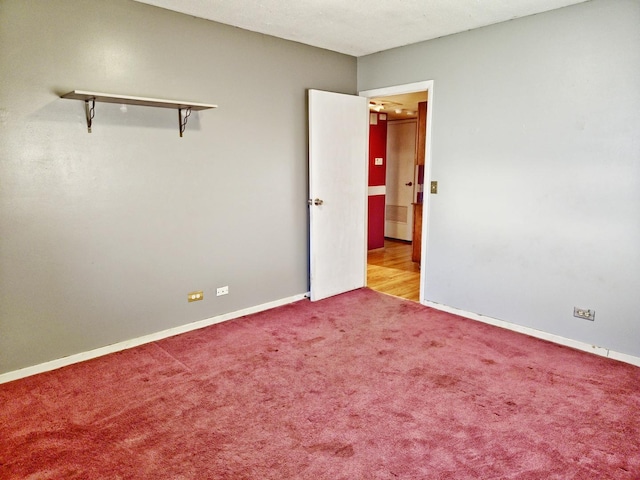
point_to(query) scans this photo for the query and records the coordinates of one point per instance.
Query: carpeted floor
(359, 386)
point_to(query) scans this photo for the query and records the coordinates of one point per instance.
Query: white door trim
(410, 88)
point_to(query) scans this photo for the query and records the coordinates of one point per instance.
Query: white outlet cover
(222, 291)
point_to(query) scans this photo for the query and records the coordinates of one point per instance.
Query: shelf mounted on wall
(90, 98)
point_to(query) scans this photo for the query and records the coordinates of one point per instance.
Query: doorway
(393, 267)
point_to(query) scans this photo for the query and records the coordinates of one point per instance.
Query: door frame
(427, 86)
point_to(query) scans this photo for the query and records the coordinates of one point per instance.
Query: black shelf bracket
(182, 119)
(90, 111)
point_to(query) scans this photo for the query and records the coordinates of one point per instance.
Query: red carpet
(359, 386)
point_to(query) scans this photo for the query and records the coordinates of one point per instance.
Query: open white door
(338, 138)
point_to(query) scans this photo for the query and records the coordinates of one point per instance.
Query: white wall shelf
(90, 99)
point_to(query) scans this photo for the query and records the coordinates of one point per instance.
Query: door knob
(409, 184)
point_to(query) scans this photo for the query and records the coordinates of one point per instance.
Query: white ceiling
(360, 27)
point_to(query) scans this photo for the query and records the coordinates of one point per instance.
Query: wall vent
(397, 213)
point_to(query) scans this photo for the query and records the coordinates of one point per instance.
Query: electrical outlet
(195, 296)
(584, 313)
(222, 290)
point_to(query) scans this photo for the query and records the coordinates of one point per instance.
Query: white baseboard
(603, 352)
(116, 347)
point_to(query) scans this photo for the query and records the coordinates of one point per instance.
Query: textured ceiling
(360, 27)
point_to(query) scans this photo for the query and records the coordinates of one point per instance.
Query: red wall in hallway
(377, 177)
(376, 222)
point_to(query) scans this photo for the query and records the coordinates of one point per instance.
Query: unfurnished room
(393, 239)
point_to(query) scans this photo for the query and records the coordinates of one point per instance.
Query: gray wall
(104, 234)
(536, 147)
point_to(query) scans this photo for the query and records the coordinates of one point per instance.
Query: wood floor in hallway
(391, 271)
